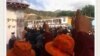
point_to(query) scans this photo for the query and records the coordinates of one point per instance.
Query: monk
(84, 42)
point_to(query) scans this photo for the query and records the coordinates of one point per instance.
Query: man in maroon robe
(84, 42)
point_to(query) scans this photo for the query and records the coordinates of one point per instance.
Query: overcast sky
(52, 5)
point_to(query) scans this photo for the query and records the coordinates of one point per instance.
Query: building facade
(53, 22)
(15, 17)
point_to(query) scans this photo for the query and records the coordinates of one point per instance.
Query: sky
(94, 22)
(53, 5)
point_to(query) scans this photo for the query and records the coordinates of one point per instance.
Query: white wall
(11, 15)
(64, 20)
(19, 26)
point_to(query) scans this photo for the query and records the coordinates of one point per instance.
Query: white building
(53, 22)
(15, 17)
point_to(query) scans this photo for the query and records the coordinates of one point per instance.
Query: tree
(88, 10)
(65, 13)
(38, 17)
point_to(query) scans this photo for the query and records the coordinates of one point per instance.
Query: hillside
(42, 14)
(88, 10)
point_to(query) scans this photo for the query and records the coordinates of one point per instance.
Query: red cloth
(48, 37)
(62, 45)
(84, 44)
(21, 48)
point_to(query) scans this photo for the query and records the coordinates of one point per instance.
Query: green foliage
(41, 13)
(49, 14)
(88, 10)
(66, 13)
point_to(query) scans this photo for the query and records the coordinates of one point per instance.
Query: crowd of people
(45, 41)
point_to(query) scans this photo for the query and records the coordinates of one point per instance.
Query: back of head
(23, 48)
(66, 43)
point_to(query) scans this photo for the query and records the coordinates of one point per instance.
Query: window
(9, 26)
(13, 19)
(59, 21)
(13, 26)
(63, 19)
(8, 19)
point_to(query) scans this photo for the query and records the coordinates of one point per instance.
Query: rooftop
(16, 4)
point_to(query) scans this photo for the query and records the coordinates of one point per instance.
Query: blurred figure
(47, 34)
(24, 32)
(35, 37)
(12, 40)
(59, 30)
(39, 44)
(47, 38)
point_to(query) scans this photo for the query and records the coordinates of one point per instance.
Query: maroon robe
(48, 37)
(84, 44)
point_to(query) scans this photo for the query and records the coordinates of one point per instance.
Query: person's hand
(81, 23)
